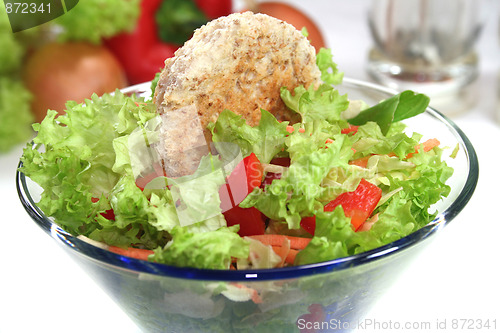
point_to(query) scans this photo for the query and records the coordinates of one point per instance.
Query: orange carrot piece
(282, 252)
(361, 162)
(141, 254)
(297, 243)
(427, 145)
(290, 258)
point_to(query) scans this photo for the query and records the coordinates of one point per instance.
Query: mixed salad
(343, 180)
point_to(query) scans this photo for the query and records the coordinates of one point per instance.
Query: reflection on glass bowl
(330, 295)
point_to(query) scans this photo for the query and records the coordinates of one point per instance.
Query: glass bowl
(326, 296)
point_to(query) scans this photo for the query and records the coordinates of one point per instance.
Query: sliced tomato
(358, 204)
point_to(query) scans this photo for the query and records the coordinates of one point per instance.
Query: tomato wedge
(358, 204)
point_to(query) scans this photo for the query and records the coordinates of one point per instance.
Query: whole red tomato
(58, 72)
(293, 16)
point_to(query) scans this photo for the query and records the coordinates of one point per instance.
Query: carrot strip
(297, 243)
(361, 162)
(290, 258)
(427, 145)
(141, 254)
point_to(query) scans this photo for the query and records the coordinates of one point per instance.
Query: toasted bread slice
(237, 62)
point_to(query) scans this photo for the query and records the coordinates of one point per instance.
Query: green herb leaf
(396, 108)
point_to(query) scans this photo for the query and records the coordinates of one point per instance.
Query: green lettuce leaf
(265, 140)
(299, 190)
(329, 71)
(325, 102)
(75, 164)
(211, 250)
(333, 238)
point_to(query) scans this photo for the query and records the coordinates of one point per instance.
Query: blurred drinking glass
(427, 46)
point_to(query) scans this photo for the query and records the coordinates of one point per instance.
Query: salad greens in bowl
(283, 227)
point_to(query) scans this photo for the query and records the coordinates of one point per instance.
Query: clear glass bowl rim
(140, 266)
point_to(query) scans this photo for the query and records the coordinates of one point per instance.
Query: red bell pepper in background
(358, 205)
(142, 53)
(215, 8)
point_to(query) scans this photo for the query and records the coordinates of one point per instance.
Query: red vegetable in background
(294, 16)
(142, 52)
(58, 72)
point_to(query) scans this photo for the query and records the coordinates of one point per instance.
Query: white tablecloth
(454, 278)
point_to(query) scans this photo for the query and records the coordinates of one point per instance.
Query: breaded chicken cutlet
(237, 62)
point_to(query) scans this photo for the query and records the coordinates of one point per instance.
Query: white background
(455, 277)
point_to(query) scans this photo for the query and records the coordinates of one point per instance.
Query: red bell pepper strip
(250, 220)
(247, 175)
(358, 205)
(308, 223)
